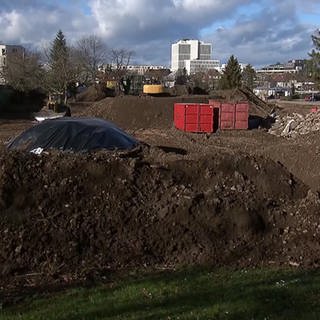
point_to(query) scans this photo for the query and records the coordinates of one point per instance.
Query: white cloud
(272, 31)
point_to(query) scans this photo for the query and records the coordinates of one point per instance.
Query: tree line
(61, 66)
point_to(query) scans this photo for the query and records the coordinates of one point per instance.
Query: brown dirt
(92, 93)
(238, 198)
(132, 112)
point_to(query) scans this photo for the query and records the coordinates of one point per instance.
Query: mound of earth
(93, 93)
(257, 107)
(146, 208)
(132, 112)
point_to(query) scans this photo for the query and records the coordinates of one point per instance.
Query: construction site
(245, 197)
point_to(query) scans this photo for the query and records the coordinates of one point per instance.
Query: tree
(24, 72)
(61, 69)
(231, 77)
(314, 62)
(92, 54)
(181, 77)
(248, 76)
(117, 69)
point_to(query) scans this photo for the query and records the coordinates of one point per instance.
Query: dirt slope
(130, 210)
(237, 198)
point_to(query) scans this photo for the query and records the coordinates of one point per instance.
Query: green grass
(188, 294)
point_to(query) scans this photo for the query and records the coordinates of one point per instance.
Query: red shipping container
(242, 115)
(195, 117)
(227, 116)
(232, 116)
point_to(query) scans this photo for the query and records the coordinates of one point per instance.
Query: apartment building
(192, 55)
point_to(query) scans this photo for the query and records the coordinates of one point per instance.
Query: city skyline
(257, 32)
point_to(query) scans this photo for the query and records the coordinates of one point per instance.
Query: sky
(259, 32)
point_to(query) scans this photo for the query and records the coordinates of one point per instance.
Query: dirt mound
(93, 93)
(258, 107)
(131, 112)
(129, 210)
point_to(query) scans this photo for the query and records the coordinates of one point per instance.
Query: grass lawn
(188, 294)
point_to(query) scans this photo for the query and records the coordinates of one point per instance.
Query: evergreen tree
(231, 77)
(59, 74)
(314, 62)
(248, 76)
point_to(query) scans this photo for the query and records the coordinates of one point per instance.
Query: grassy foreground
(187, 294)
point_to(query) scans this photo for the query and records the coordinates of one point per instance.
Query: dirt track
(240, 198)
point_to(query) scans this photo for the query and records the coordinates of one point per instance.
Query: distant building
(292, 66)
(143, 69)
(223, 67)
(5, 52)
(192, 55)
(194, 66)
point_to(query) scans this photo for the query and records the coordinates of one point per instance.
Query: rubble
(296, 124)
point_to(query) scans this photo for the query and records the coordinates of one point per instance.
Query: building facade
(292, 66)
(143, 69)
(194, 66)
(5, 52)
(193, 55)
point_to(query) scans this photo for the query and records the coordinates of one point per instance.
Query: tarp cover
(74, 134)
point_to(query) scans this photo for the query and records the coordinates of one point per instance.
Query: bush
(14, 101)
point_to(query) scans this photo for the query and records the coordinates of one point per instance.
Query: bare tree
(92, 54)
(119, 61)
(23, 72)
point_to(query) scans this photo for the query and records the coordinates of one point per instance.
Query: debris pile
(295, 124)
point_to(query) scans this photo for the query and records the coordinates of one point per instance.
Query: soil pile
(132, 112)
(150, 208)
(93, 93)
(257, 107)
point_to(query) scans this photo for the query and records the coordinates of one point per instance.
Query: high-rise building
(192, 55)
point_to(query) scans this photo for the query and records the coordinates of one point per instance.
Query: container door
(179, 116)
(192, 118)
(227, 116)
(206, 118)
(242, 116)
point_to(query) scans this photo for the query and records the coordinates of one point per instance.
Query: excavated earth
(236, 198)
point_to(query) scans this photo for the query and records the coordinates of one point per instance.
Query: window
(184, 49)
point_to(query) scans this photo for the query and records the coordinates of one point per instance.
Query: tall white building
(193, 55)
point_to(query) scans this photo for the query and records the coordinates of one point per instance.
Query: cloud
(259, 32)
(273, 34)
(36, 22)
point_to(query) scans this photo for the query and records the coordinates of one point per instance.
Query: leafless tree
(23, 72)
(117, 69)
(91, 54)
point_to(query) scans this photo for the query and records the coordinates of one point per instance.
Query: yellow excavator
(153, 89)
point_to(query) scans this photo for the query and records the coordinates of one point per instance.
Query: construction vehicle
(153, 89)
